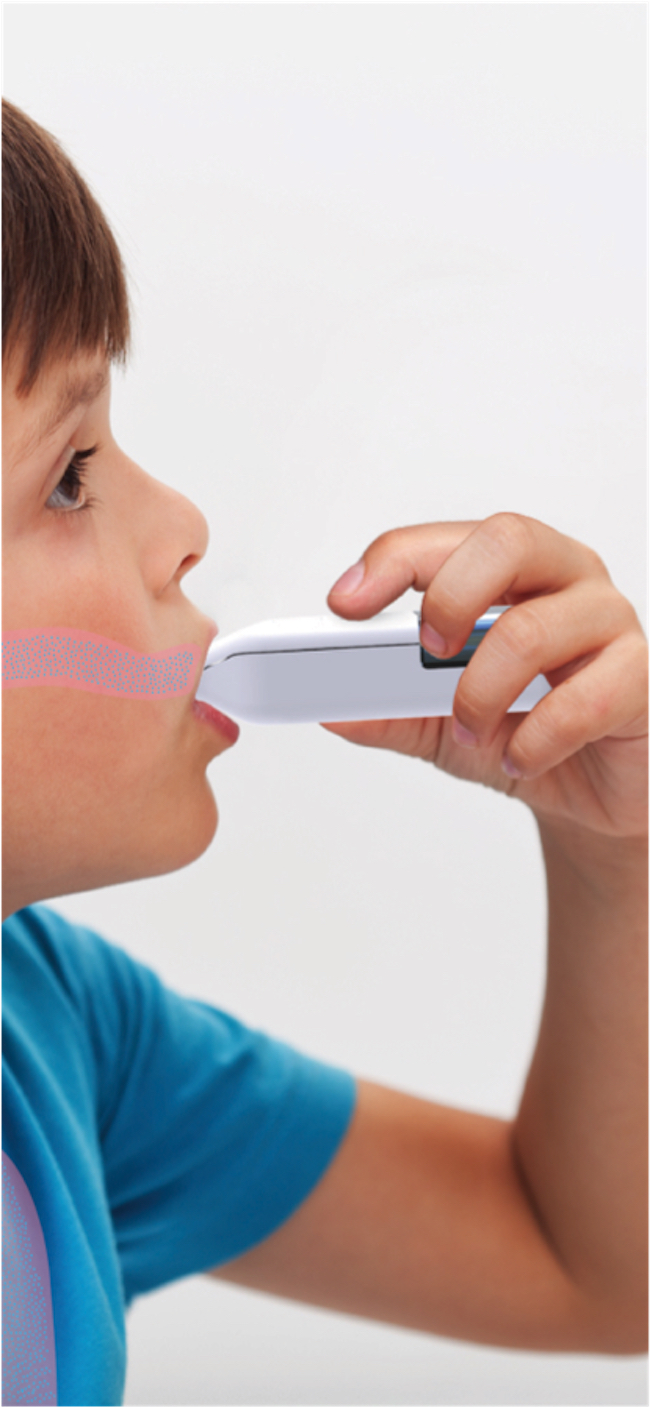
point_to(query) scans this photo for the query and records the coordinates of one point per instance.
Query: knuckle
(638, 649)
(384, 540)
(378, 547)
(603, 705)
(442, 602)
(508, 530)
(539, 737)
(629, 620)
(521, 633)
(393, 543)
(469, 702)
(639, 645)
(391, 538)
(594, 564)
(562, 721)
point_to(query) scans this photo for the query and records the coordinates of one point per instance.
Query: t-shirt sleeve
(211, 1133)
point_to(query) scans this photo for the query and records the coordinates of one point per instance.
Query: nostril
(188, 562)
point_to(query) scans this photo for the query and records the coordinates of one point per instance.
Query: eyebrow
(78, 391)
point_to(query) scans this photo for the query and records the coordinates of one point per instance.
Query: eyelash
(74, 479)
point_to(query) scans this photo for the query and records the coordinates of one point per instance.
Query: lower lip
(223, 725)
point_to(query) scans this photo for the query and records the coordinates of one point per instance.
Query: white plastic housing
(322, 669)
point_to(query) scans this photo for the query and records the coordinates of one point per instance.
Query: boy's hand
(582, 751)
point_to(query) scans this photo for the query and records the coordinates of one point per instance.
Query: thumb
(370, 733)
(415, 737)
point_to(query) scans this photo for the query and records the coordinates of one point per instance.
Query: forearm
(580, 1137)
(526, 1234)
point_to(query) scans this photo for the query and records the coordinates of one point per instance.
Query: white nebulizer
(321, 669)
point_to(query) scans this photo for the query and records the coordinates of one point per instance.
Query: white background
(388, 267)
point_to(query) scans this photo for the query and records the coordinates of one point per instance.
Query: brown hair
(63, 280)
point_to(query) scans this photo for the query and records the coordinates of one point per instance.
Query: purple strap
(28, 1352)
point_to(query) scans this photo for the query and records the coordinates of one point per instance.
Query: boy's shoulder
(38, 931)
(47, 957)
(192, 1121)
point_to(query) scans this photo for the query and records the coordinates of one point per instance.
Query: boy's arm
(581, 1136)
(530, 1234)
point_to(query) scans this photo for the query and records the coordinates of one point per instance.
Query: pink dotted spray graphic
(73, 659)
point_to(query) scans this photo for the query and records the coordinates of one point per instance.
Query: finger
(588, 706)
(371, 733)
(462, 567)
(402, 558)
(416, 737)
(538, 637)
(506, 559)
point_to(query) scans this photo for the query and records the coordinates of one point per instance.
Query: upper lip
(213, 630)
(207, 630)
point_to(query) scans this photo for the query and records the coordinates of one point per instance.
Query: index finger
(463, 568)
(395, 561)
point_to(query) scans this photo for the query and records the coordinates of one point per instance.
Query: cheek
(81, 740)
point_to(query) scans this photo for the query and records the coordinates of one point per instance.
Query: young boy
(147, 1136)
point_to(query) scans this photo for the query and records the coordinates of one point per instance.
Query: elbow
(621, 1329)
(632, 1336)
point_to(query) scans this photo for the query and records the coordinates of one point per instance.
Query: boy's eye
(70, 493)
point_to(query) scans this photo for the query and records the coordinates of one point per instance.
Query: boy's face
(97, 789)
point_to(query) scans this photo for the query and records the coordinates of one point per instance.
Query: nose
(193, 533)
(175, 535)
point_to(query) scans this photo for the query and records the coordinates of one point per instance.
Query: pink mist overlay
(73, 659)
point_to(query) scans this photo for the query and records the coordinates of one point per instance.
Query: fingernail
(509, 767)
(462, 735)
(348, 583)
(431, 640)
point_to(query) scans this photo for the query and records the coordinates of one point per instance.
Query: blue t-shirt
(146, 1136)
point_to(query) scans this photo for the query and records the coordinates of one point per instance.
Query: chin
(95, 846)
(176, 834)
(194, 828)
